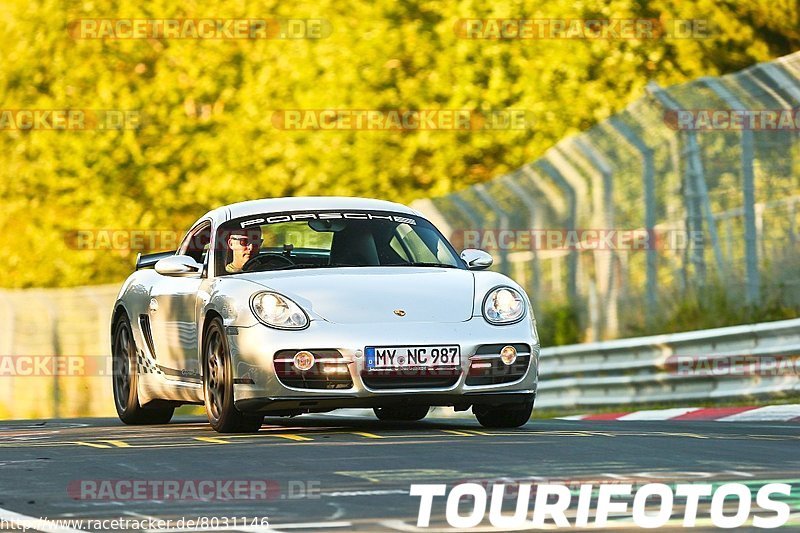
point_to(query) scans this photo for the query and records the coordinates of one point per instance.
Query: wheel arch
(119, 312)
(210, 315)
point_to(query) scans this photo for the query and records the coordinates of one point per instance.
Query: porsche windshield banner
(327, 215)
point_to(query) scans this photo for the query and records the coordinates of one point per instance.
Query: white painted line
(37, 524)
(399, 525)
(382, 492)
(217, 528)
(311, 525)
(771, 413)
(658, 414)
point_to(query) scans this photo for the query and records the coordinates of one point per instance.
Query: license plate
(436, 356)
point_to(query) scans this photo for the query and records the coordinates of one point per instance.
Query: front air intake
(486, 367)
(328, 371)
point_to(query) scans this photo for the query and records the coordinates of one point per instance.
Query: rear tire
(503, 416)
(218, 385)
(411, 413)
(125, 377)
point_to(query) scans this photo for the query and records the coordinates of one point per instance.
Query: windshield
(331, 239)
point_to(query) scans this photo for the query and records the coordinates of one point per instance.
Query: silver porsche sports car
(285, 306)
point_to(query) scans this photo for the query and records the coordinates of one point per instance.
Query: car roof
(303, 203)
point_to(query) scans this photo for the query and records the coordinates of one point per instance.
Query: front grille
(330, 370)
(410, 379)
(486, 368)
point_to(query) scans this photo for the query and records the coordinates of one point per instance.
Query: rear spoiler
(149, 260)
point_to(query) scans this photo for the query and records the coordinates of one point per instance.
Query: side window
(196, 245)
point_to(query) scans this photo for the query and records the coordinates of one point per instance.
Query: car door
(174, 303)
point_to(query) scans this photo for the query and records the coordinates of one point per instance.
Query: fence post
(56, 346)
(675, 156)
(648, 180)
(534, 217)
(697, 184)
(579, 184)
(568, 165)
(748, 190)
(480, 190)
(470, 214)
(554, 199)
(604, 205)
(572, 257)
(782, 80)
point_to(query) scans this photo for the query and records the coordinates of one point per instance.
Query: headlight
(503, 305)
(278, 311)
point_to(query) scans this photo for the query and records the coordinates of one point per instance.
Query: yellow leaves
(207, 136)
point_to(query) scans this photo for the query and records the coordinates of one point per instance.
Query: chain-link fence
(692, 189)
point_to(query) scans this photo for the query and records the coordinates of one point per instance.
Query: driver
(244, 244)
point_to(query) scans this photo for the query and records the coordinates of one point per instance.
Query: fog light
(303, 360)
(508, 355)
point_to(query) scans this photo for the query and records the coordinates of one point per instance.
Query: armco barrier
(647, 369)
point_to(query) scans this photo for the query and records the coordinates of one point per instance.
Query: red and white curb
(770, 413)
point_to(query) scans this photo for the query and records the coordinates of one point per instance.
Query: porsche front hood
(361, 295)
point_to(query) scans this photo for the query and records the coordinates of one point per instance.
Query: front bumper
(257, 387)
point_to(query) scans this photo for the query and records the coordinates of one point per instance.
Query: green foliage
(207, 137)
(558, 324)
(714, 306)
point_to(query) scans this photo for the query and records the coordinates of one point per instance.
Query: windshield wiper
(338, 265)
(424, 264)
(302, 265)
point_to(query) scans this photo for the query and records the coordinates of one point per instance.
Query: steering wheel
(269, 261)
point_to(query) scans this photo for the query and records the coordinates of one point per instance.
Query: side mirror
(179, 266)
(477, 259)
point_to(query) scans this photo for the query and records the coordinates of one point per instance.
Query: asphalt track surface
(356, 471)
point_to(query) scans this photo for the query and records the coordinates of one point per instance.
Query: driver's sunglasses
(244, 241)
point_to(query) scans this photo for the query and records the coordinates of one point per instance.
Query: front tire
(126, 378)
(218, 385)
(411, 413)
(503, 416)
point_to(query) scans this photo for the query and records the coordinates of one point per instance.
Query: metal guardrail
(677, 367)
